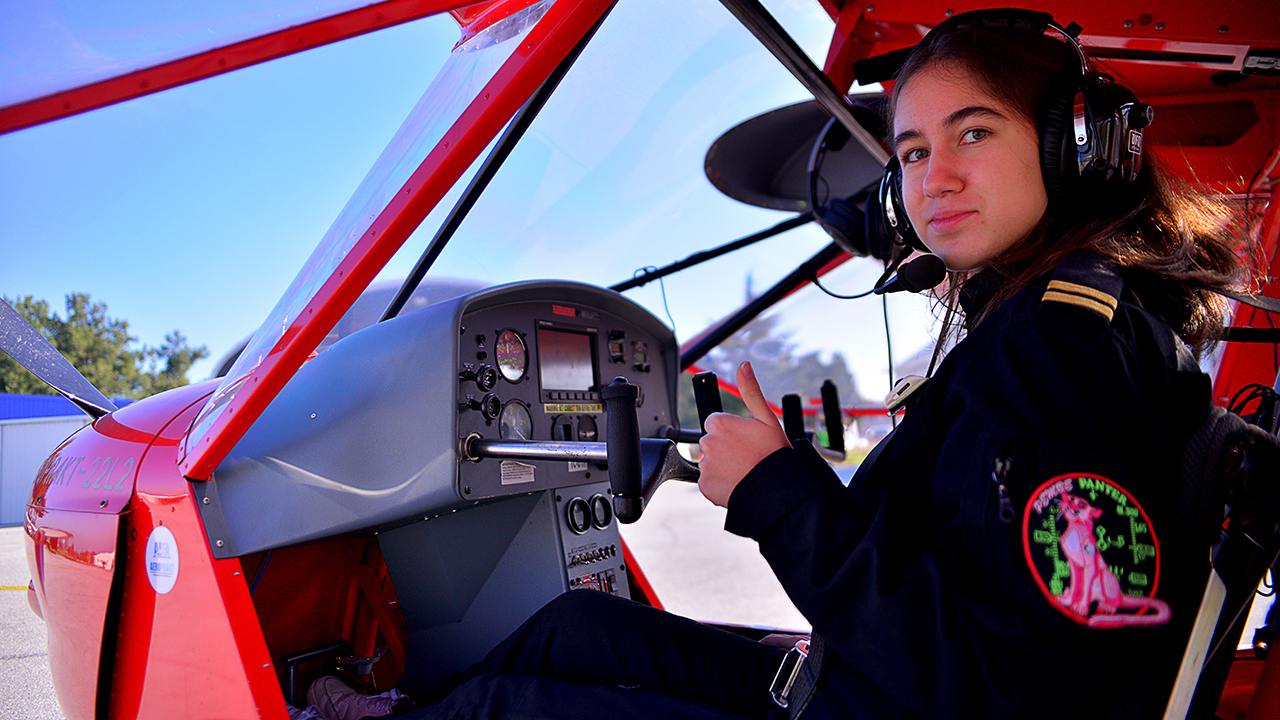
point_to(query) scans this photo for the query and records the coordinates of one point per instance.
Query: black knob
(706, 393)
(792, 417)
(490, 406)
(1141, 115)
(832, 416)
(485, 378)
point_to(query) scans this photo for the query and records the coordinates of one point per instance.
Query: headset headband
(1015, 18)
(880, 68)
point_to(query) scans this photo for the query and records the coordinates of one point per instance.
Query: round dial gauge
(601, 511)
(578, 513)
(511, 355)
(515, 423)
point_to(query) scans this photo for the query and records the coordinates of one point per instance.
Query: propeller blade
(22, 342)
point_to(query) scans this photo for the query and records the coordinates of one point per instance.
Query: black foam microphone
(921, 273)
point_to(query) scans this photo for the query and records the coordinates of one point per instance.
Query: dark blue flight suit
(588, 655)
(950, 578)
(1012, 549)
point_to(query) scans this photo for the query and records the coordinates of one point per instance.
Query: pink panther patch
(1093, 552)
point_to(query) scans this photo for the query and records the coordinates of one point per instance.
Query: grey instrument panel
(533, 370)
(367, 435)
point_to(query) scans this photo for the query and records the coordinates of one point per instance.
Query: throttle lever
(792, 417)
(832, 417)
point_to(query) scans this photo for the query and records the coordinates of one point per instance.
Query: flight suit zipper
(999, 473)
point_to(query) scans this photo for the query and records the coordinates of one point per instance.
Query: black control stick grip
(706, 392)
(622, 433)
(792, 417)
(832, 416)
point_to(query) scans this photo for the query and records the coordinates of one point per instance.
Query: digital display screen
(564, 360)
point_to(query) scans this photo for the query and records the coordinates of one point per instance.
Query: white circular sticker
(162, 560)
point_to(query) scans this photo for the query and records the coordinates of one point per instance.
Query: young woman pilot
(1016, 547)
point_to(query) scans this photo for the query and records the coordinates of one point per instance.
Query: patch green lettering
(1142, 551)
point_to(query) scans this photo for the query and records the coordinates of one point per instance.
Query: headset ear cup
(841, 219)
(895, 209)
(1058, 160)
(876, 229)
(1113, 112)
(908, 231)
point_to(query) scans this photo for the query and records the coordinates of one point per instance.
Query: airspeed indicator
(511, 355)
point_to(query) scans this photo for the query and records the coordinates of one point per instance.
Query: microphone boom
(920, 274)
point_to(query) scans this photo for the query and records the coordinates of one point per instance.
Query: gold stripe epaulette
(1081, 296)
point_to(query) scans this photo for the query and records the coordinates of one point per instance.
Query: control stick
(637, 466)
(706, 392)
(622, 437)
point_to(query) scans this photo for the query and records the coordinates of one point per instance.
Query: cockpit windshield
(610, 180)
(470, 66)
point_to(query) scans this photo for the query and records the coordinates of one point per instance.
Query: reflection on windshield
(609, 179)
(47, 47)
(469, 68)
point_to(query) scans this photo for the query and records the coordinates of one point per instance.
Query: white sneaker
(338, 701)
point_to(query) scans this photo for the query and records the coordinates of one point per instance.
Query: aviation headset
(1091, 134)
(856, 232)
(865, 233)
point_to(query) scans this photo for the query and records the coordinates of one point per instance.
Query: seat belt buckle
(786, 676)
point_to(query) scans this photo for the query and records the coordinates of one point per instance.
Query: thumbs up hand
(734, 445)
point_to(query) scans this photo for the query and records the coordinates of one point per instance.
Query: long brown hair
(1176, 244)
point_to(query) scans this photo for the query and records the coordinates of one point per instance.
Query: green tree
(101, 348)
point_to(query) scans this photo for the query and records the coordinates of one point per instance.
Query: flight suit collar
(978, 290)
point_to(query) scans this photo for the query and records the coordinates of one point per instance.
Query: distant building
(31, 427)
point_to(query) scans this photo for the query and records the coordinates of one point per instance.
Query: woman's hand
(734, 445)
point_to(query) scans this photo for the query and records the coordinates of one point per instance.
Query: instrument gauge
(578, 513)
(515, 423)
(511, 355)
